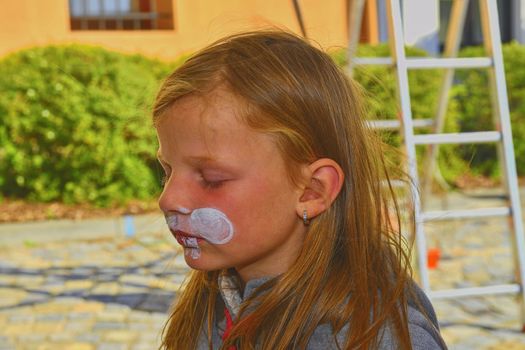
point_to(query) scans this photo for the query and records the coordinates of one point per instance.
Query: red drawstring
(229, 326)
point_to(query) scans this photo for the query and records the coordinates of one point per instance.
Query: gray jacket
(424, 334)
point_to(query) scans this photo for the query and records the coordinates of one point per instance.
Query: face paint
(212, 225)
(207, 223)
(193, 247)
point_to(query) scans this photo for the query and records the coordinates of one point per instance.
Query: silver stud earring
(306, 221)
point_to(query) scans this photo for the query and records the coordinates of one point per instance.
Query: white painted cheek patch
(207, 223)
(212, 225)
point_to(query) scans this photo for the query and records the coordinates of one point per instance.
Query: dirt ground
(23, 211)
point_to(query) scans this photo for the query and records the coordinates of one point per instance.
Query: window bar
(154, 14)
(135, 8)
(83, 17)
(119, 21)
(102, 15)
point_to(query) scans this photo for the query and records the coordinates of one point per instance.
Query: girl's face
(213, 160)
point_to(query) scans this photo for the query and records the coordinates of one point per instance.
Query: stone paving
(114, 291)
(106, 293)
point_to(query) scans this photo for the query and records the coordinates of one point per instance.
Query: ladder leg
(398, 53)
(452, 44)
(491, 36)
(355, 16)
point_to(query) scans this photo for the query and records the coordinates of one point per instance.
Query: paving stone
(16, 329)
(21, 318)
(76, 285)
(140, 317)
(143, 346)
(152, 337)
(109, 288)
(66, 346)
(137, 326)
(77, 326)
(31, 338)
(508, 345)
(62, 337)
(91, 338)
(156, 303)
(11, 296)
(48, 327)
(112, 315)
(104, 326)
(117, 308)
(5, 343)
(93, 307)
(80, 316)
(112, 346)
(121, 336)
(131, 300)
(475, 306)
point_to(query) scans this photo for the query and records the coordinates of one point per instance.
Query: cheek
(260, 210)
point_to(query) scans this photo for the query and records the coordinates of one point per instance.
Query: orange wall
(26, 23)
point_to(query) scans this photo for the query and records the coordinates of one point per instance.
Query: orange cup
(433, 255)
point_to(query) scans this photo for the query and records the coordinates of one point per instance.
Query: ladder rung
(430, 63)
(475, 291)
(396, 124)
(372, 61)
(439, 215)
(427, 63)
(463, 137)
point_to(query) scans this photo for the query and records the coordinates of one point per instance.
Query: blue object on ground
(129, 226)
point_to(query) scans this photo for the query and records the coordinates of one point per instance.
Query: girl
(276, 190)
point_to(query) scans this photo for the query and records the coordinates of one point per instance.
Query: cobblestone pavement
(113, 291)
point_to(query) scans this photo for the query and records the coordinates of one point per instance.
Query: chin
(204, 264)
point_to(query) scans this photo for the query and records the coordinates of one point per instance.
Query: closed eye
(212, 184)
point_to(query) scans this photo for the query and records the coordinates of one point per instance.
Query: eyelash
(206, 184)
(212, 184)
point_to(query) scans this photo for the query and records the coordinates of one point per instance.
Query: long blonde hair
(353, 268)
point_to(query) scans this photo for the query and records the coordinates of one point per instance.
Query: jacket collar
(231, 290)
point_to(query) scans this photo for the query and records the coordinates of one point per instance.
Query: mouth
(186, 240)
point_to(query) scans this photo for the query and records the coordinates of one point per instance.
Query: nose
(176, 196)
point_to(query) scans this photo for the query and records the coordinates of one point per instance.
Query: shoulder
(422, 325)
(422, 321)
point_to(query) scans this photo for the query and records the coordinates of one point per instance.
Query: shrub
(75, 125)
(469, 106)
(472, 97)
(379, 84)
(380, 89)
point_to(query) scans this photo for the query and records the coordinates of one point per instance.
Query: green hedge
(76, 127)
(469, 106)
(380, 88)
(474, 111)
(379, 84)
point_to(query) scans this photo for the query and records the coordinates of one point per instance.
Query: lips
(183, 237)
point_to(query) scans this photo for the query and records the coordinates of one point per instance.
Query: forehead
(215, 114)
(211, 124)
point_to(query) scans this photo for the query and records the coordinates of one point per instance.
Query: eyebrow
(202, 160)
(195, 160)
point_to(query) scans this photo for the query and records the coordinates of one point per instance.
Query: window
(472, 33)
(121, 14)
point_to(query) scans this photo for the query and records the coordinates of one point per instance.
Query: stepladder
(423, 171)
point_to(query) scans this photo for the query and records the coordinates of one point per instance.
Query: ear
(324, 180)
